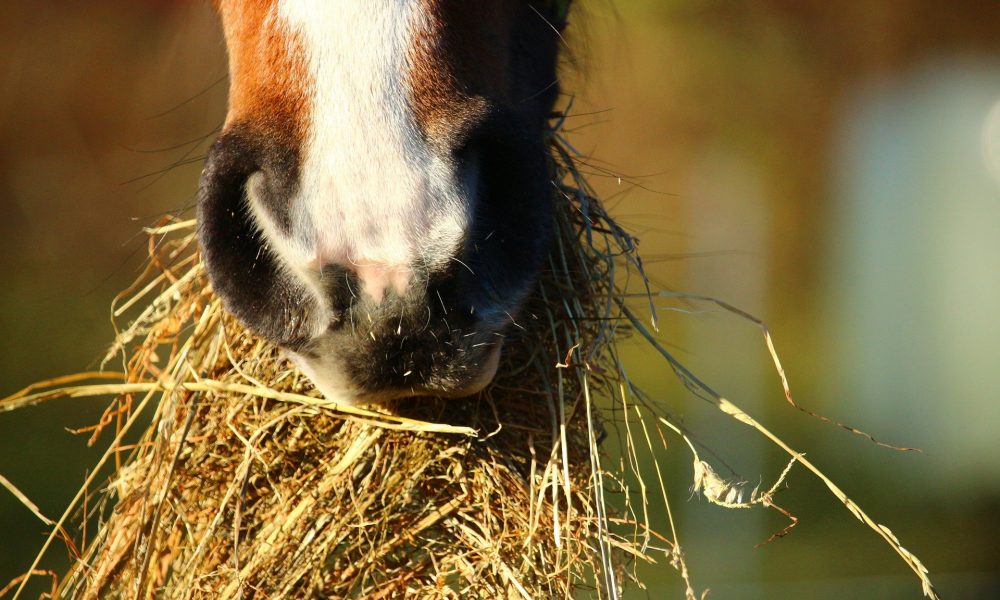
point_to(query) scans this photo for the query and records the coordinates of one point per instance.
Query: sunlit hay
(247, 482)
(244, 482)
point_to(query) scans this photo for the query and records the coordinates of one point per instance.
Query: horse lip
(341, 390)
(486, 374)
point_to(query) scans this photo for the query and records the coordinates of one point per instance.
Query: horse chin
(338, 389)
(487, 372)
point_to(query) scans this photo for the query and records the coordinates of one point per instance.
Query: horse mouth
(478, 383)
(358, 385)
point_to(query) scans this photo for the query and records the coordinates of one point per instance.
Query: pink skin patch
(375, 278)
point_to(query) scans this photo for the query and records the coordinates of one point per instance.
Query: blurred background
(832, 168)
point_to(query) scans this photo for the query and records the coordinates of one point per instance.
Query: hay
(245, 483)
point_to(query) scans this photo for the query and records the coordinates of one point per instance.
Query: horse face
(379, 202)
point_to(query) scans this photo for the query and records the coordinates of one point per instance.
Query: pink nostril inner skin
(376, 277)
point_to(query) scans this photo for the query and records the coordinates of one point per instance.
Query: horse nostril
(243, 270)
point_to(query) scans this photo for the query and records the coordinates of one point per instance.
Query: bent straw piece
(171, 228)
(31, 506)
(377, 419)
(80, 391)
(734, 411)
(776, 361)
(24, 397)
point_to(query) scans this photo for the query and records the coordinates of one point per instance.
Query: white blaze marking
(372, 195)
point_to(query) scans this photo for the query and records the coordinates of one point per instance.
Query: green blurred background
(832, 167)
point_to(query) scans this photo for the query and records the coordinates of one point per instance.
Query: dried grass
(245, 483)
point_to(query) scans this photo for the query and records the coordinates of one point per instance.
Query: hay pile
(246, 483)
(240, 481)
